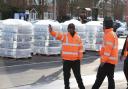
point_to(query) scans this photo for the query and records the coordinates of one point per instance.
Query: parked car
(116, 25)
(122, 31)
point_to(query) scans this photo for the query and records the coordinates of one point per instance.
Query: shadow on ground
(48, 79)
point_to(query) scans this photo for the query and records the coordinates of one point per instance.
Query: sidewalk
(88, 82)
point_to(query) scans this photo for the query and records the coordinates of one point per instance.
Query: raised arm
(57, 35)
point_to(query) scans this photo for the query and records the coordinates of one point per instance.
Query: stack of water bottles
(16, 39)
(1, 27)
(44, 43)
(94, 35)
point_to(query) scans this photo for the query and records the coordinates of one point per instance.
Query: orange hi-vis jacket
(109, 50)
(72, 47)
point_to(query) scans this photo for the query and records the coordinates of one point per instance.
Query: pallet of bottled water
(16, 39)
(94, 35)
(1, 27)
(44, 43)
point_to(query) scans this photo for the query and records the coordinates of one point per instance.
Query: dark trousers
(103, 71)
(126, 70)
(75, 66)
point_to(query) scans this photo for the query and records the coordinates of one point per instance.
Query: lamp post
(73, 4)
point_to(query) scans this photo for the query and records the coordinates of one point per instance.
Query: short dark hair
(71, 26)
(108, 22)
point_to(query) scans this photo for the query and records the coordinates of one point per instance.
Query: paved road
(42, 70)
(88, 82)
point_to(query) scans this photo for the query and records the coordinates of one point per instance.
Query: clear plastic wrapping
(16, 39)
(94, 35)
(44, 43)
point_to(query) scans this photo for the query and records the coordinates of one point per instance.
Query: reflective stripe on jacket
(72, 47)
(109, 50)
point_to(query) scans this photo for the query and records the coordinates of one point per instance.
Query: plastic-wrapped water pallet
(1, 27)
(16, 39)
(44, 43)
(15, 53)
(94, 35)
(79, 27)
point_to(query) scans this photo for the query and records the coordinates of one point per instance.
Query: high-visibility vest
(109, 50)
(72, 47)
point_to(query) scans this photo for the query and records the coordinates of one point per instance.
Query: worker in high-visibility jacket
(109, 56)
(124, 57)
(72, 53)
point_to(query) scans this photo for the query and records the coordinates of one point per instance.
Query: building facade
(32, 7)
(57, 9)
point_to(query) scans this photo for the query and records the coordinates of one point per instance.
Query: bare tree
(62, 8)
(118, 7)
(42, 9)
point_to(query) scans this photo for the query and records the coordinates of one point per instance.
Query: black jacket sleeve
(122, 53)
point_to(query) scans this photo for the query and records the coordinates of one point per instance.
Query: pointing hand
(50, 28)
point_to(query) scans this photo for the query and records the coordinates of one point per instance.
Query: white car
(122, 31)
